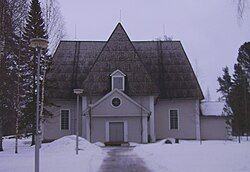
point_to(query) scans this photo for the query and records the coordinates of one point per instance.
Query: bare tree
(208, 96)
(54, 22)
(241, 8)
(55, 27)
(164, 38)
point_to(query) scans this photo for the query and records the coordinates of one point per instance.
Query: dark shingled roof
(151, 67)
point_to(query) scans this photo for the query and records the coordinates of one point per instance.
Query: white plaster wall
(51, 127)
(213, 128)
(187, 119)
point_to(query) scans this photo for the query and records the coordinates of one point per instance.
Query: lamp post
(77, 92)
(39, 44)
(1, 115)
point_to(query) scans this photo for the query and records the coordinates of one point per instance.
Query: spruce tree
(35, 28)
(244, 61)
(7, 66)
(238, 100)
(235, 91)
(244, 56)
(225, 83)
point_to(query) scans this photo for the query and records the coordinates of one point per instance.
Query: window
(116, 102)
(65, 118)
(174, 125)
(118, 83)
(118, 80)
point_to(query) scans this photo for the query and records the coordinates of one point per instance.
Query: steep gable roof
(170, 68)
(71, 64)
(165, 61)
(119, 53)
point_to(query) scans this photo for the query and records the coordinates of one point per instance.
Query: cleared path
(122, 159)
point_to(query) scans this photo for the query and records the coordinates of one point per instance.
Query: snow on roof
(212, 108)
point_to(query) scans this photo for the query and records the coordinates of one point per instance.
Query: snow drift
(68, 143)
(55, 156)
(210, 156)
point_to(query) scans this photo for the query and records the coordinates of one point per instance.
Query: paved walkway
(122, 159)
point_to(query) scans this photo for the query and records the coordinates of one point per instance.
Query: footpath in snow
(191, 156)
(55, 156)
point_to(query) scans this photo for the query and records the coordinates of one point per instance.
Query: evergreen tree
(238, 101)
(225, 83)
(244, 61)
(236, 92)
(244, 56)
(7, 66)
(35, 28)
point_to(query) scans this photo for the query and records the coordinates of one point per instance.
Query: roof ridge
(133, 41)
(154, 41)
(143, 63)
(102, 50)
(81, 41)
(119, 25)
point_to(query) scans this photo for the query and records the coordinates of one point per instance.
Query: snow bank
(56, 156)
(100, 144)
(215, 156)
(68, 143)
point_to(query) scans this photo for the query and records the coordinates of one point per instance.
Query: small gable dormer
(118, 80)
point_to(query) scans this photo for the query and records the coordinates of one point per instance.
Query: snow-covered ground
(210, 156)
(56, 156)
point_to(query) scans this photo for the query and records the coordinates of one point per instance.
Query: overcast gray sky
(208, 30)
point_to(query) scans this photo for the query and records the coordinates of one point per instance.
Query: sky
(209, 30)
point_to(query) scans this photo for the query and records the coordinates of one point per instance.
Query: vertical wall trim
(84, 107)
(197, 120)
(107, 131)
(152, 118)
(144, 129)
(87, 128)
(125, 131)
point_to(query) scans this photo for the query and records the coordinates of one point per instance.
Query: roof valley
(160, 66)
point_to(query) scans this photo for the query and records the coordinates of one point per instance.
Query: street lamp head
(39, 43)
(78, 91)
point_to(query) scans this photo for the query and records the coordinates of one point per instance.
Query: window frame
(123, 82)
(112, 103)
(61, 119)
(178, 119)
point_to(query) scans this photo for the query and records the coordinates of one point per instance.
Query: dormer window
(118, 80)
